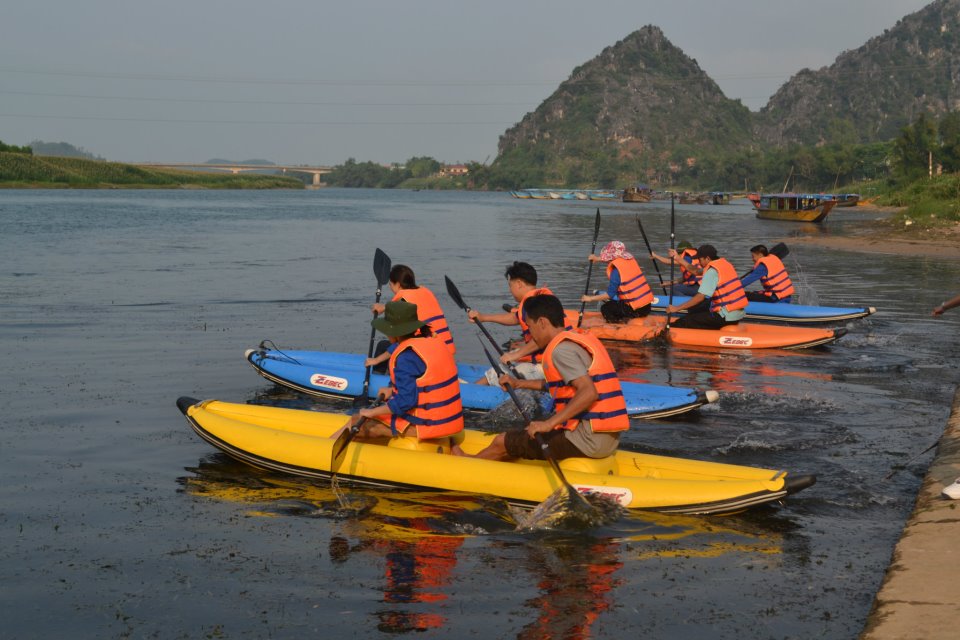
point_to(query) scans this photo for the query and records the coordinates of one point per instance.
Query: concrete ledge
(920, 595)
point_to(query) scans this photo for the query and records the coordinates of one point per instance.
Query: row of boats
(300, 442)
(798, 207)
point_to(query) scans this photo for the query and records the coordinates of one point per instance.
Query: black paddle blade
(596, 225)
(381, 267)
(780, 250)
(455, 294)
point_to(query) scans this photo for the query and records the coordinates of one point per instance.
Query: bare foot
(455, 450)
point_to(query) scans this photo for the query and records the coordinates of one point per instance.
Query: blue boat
(340, 375)
(784, 312)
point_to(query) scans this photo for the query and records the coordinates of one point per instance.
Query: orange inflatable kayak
(743, 335)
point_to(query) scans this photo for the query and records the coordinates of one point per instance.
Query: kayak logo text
(620, 495)
(735, 341)
(328, 382)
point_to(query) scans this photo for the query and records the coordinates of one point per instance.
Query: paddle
(672, 250)
(897, 468)
(381, 270)
(458, 299)
(574, 495)
(650, 251)
(586, 289)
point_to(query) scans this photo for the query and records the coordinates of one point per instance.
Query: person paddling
(522, 281)
(720, 289)
(772, 274)
(424, 392)
(628, 294)
(684, 257)
(590, 412)
(403, 283)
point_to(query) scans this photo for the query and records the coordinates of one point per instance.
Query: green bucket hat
(399, 319)
(684, 245)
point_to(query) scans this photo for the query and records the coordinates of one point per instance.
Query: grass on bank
(928, 202)
(18, 170)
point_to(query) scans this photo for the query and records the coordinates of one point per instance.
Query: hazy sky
(315, 82)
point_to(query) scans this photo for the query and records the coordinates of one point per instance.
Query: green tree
(912, 148)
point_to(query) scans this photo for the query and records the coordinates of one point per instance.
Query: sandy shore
(883, 237)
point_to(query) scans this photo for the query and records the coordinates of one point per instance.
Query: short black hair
(761, 249)
(522, 271)
(707, 251)
(544, 305)
(403, 275)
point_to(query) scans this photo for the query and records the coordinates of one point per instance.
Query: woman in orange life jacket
(721, 285)
(424, 392)
(628, 295)
(769, 270)
(522, 281)
(590, 412)
(685, 257)
(403, 283)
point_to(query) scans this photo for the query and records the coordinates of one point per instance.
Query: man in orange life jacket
(522, 280)
(590, 412)
(720, 288)
(771, 273)
(628, 295)
(685, 257)
(424, 391)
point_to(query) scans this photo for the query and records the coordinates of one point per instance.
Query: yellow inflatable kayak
(299, 442)
(742, 335)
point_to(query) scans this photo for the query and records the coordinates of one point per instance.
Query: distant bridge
(316, 172)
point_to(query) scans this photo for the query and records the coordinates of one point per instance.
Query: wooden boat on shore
(300, 443)
(797, 207)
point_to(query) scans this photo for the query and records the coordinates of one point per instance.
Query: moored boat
(330, 374)
(798, 207)
(742, 335)
(300, 443)
(781, 312)
(637, 193)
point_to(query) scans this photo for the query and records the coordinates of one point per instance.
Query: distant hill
(61, 150)
(639, 106)
(868, 94)
(643, 110)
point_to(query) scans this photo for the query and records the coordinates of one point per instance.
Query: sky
(316, 82)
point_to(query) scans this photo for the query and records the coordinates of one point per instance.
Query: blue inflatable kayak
(784, 312)
(340, 375)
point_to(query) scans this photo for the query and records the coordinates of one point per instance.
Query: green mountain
(868, 94)
(642, 110)
(639, 107)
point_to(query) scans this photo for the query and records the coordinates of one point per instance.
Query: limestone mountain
(639, 106)
(868, 94)
(643, 110)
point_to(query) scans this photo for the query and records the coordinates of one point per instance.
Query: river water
(117, 521)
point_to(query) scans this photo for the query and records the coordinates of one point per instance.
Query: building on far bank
(453, 170)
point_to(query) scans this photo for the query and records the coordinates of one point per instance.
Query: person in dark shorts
(589, 410)
(720, 287)
(628, 295)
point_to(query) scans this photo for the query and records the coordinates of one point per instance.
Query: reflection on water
(161, 293)
(418, 538)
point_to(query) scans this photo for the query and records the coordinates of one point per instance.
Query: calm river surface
(117, 521)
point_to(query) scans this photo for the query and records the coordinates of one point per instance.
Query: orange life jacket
(729, 294)
(633, 289)
(776, 282)
(609, 412)
(439, 410)
(689, 277)
(429, 311)
(570, 321)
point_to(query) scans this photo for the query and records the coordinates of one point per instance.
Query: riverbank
(887, 237)
(917, 598)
